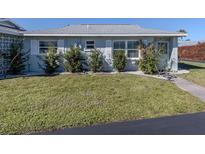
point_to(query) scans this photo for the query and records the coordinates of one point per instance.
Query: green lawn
(197, 72)
(45, 103)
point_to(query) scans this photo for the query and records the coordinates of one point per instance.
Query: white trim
(171, 34)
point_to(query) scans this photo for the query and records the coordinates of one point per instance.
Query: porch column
(174, 54)
(108, 56)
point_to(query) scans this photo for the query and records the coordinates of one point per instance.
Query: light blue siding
(100, 43)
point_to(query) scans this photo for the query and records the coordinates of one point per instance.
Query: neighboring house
(9, 32)
(106, 37)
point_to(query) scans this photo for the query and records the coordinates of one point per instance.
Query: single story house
(107, 38)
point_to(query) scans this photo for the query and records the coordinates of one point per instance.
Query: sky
(195, 27)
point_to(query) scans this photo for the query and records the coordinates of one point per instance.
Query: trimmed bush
(73, 60)
(96, 62)
(17, 58)
(119, 60)
(149, 61)
(51, 61)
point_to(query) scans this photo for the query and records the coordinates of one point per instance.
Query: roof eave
(11, 33)
(14, 23)
(171, 34)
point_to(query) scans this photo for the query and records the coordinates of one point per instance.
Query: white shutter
(107, 65)
(108, 50)
(174, 55)
(60, 46)
(34, 47)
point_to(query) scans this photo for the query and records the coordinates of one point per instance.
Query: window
(90, 44)
(163, 47)
(45, 45)
(132, 49)
(119, 45)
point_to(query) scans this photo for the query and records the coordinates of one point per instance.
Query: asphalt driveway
(190, 124)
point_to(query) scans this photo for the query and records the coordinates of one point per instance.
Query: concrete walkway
(183, 84)
(190, 87)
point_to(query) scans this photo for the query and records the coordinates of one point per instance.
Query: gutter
(171, 34)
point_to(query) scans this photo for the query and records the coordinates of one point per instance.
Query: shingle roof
(100, 30)
(11, 31)
(9, 27)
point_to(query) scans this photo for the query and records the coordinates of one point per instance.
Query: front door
(163, 48)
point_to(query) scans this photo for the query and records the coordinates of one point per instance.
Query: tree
(182, 31)
(96, 61)
(16, 58)
(51, 61)
(73, 60)
(119, 60)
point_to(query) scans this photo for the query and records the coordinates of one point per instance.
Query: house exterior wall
(105, 44)
(5, 42)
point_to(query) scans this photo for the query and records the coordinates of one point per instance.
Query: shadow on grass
(189, 66)
(25, 76)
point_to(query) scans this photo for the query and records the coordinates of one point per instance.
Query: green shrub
(16, 58)
(73, 60)
(96, 62)
(119, 60)
(51, 61)
(149, 60)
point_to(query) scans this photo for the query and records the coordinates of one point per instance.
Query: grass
(197, 72)
(45, 103)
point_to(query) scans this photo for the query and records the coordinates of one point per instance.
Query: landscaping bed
(42, 103)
